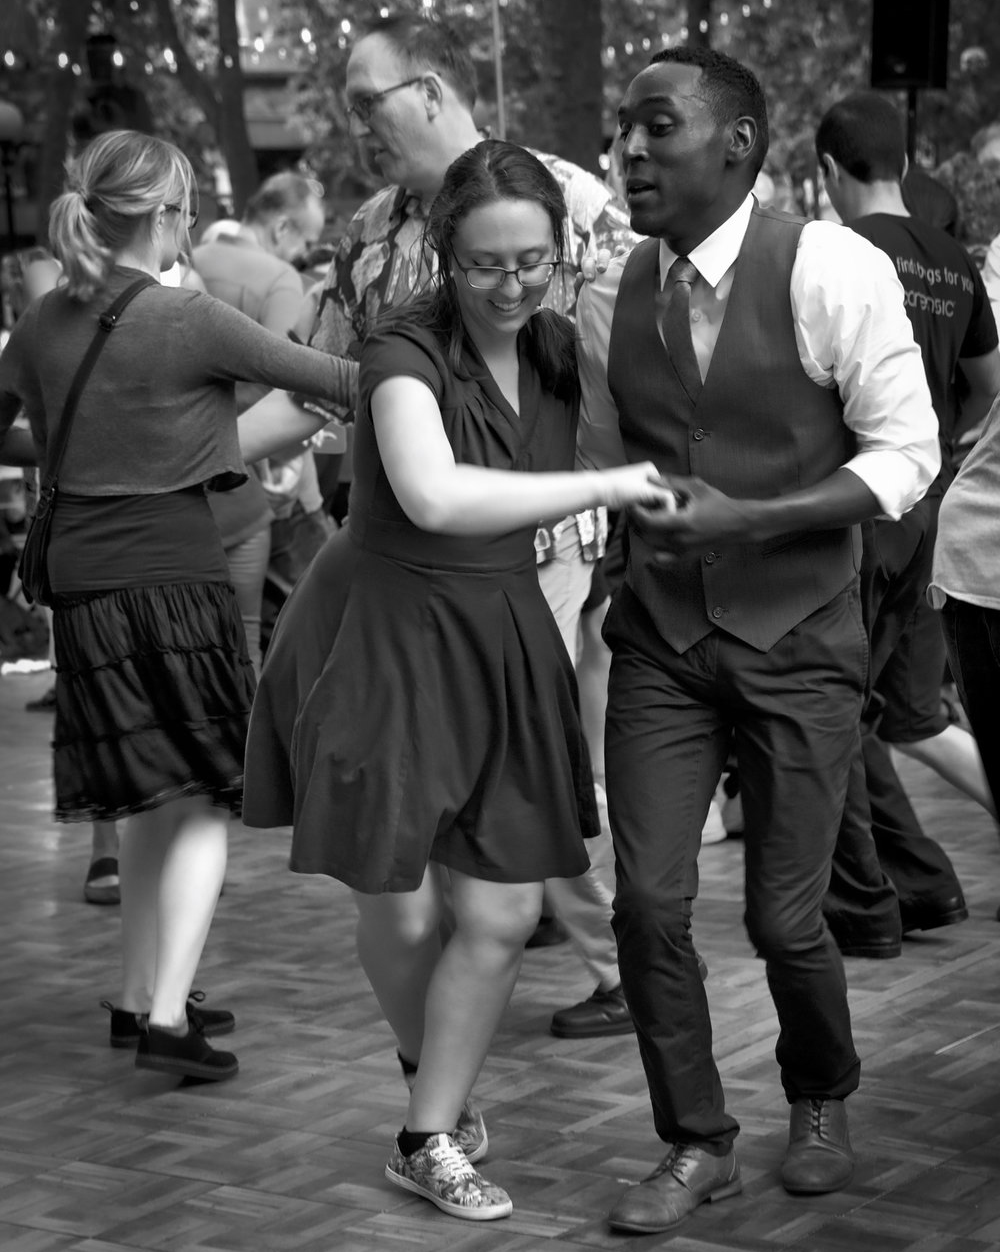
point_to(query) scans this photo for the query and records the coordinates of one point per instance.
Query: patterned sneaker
(440, 1172)
(470, 1133)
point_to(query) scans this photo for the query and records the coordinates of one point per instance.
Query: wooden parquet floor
(96, 1156)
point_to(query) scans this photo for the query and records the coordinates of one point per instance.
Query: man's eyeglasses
(364, 106)
(192, 214)
(489, 277)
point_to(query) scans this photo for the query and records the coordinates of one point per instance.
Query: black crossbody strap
(106, 323)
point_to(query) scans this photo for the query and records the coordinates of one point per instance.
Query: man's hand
(704, 517)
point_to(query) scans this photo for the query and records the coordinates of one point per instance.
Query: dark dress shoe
(603, 1013)
(686, 1177)
(819, 1156)
(189, 1056)
(931, 914)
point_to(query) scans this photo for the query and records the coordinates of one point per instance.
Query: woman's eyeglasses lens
(489, 277)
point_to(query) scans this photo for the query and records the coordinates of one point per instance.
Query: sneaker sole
(186, 1069)
(487, 1213)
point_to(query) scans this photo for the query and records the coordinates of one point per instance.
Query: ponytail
(73, 234)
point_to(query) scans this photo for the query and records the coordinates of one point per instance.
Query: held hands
(637, 485)
(703, 516)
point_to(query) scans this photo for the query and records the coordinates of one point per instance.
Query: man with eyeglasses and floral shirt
(411, 90)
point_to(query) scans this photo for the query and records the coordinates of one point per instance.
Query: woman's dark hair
(495, 170)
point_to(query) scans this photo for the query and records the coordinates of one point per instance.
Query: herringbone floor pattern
(98, 1157)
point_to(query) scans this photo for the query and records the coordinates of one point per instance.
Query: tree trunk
(573, 94)
(198, 86)
(60, 93)
(221, 101)
(699, 11)
(242, 162)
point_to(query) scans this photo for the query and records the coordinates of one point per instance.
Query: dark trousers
(792, 715)
(972, 636)
(882, 851)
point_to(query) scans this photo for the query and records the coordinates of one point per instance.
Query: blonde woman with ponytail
(153, 680)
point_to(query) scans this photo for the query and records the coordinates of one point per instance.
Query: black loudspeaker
(909, 43)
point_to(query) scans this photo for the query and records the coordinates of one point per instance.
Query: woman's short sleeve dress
(417, 702)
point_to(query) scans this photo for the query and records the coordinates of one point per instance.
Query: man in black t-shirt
(861, 149)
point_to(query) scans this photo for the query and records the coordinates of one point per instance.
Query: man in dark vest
(768, 368)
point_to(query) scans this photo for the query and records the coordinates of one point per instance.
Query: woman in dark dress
(153, 680)
(417, 710)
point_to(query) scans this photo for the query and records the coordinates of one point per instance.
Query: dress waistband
(474, 554)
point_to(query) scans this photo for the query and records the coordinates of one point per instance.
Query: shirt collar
(714, 255)
(239, 239)
(411, 204)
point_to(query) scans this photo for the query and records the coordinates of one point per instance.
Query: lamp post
(498, 64)
(11, 131)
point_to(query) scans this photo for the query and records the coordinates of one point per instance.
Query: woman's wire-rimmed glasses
(192, 214)
(490, 277)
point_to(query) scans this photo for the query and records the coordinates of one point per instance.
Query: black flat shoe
(101, 886)
(126, 1027)
(188, 1056)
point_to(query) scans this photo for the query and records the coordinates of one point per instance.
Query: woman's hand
(638, 484)
(701, 518)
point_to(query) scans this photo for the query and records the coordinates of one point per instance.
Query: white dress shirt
(851, 331)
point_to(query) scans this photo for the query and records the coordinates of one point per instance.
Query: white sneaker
(440, 1172)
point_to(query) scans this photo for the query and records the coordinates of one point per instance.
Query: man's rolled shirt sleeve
(853, 331)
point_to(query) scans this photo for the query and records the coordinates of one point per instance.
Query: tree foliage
(566, 64)
(807, 53)
(180, 56)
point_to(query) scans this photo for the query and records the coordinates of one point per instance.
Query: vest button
(711, 557)
(717, 612)
(699, 434)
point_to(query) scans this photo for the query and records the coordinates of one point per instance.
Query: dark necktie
(676, 325)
